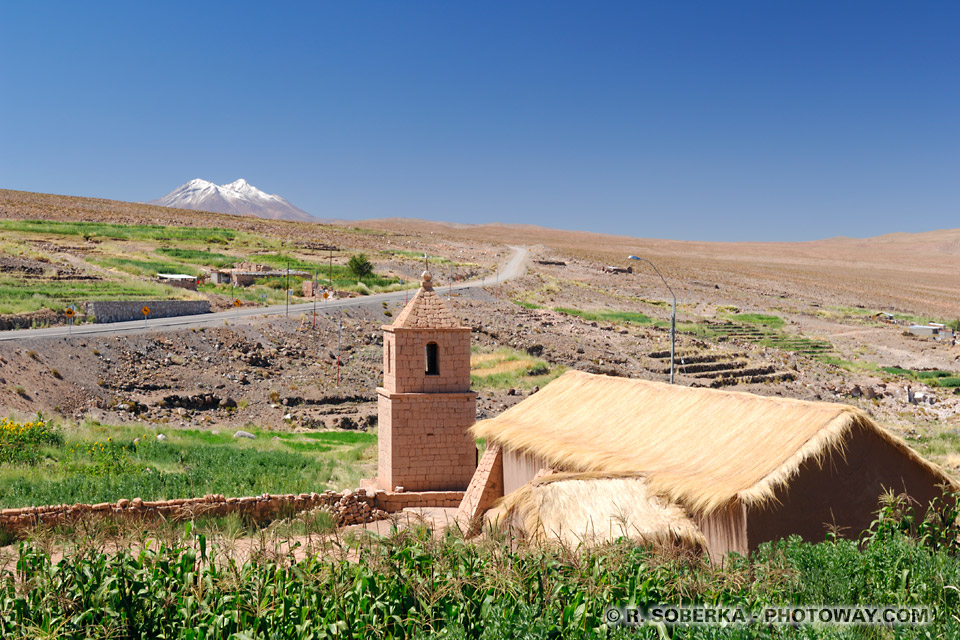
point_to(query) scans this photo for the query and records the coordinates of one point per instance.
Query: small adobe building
(425, 405)
(593, 458)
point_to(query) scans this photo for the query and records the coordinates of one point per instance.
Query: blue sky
(731, 120)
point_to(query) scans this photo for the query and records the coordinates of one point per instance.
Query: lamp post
(673, 316)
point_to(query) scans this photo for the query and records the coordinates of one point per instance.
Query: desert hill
(907, 272)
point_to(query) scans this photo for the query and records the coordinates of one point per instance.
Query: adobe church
(425, 404)
(595, 458)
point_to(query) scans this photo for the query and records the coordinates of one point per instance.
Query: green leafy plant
(360, 266)
(20, 442)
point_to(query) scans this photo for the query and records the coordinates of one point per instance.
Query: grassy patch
(507, 368)
(605, 315)
(143, 267)
(342, 278)
(526, 305)
(100, 463)
(198, 256)
(19, 296)
(416, 255)
(765, 330)
(849, 365)
(935, 378)
(118, 231)
(926, 375)
(772, 322)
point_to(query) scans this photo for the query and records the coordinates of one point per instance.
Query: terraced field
(769, 337)
(721, 369)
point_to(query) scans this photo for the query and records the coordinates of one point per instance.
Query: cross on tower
(425, 261)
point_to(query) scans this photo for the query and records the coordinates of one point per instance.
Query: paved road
(514, 268)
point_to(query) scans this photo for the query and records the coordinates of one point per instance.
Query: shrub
(360, 266)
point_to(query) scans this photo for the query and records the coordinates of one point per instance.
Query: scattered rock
(244, 434)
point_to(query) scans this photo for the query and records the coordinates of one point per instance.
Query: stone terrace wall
(124, 310)
(348, 507)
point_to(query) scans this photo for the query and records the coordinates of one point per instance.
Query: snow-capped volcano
(240, 198)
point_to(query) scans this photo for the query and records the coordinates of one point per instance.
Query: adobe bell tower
(425, 404)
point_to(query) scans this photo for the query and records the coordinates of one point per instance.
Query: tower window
(388, 356)
(431, 358)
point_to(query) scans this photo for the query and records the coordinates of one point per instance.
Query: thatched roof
(588, 509)
(426, 310)
(701, 448)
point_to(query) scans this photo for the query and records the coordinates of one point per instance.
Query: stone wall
(348, 507)
(124, 310)
(485, 489)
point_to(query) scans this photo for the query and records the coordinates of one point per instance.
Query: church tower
(425, 404)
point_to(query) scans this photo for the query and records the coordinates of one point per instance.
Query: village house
(178, 280)
(592, 458)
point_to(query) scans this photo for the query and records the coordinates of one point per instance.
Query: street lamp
(673, 316)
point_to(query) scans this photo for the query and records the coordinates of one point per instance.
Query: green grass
(342, 278)
(934, 378)
(923, 375)
(772, 322)
(20, 296)
(606, 315)
(198, 256)
(416, 255)
(766, 330)
(849, 365)
(143, 267)
(532, 372)
(119, 231)
(527, 305)
(100, 463)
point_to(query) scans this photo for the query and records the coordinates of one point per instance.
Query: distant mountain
(239, 198)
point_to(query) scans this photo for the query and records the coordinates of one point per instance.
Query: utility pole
(339, 328)
(331, 269)
(673, 316)
(315, 293)
(288, 288)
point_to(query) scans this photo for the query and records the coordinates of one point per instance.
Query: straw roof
(426, 310)
(701, 448)
(589, 509)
